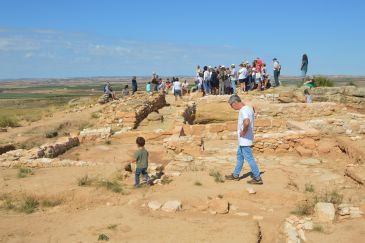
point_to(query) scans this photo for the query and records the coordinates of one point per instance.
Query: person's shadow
(249, 174)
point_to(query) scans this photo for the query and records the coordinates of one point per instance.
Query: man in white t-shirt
(245, 127)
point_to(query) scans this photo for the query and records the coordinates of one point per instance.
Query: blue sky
(116, 38)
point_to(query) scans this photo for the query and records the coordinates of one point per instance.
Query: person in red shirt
(258, 65)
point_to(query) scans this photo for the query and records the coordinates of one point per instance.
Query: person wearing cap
(233, 77)
(277, 68)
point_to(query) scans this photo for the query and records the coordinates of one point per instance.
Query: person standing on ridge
(277, 69)
(304, 67)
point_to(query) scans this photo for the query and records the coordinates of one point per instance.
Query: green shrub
(321, 81)
(198, 183)
(218, 177)
(49, 203)
(29, 205)
(103, 237)
(351, 83)
(318, 228)
(304, 208)
(113, 186)
(95, 115)
(309, 187)
(24, 172)
(6, 121)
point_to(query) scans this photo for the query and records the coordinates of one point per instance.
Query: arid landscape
(63, 177)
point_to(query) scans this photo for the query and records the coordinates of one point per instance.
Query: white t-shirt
(233, 74)
(245, 112)
(206, 75)
(177, 85)
(242, 73)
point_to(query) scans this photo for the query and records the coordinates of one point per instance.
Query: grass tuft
(8, 121)
(320, 81)
(103, 237)
(49, 203)
(24, 172)
(95, 115)
(84, 181)
(112, 226)
(218, 177)
(29, 205)
(113, 186)
(318, 228)
(198, 183)
(309, 187)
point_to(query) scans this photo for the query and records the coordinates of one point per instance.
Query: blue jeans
(206, 86)
(242, 153)
(233, 84)
(142, 171)
(276, 77)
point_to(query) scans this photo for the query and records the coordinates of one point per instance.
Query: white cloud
(66, 53)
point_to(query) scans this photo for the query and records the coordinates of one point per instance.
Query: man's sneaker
(256, 181)
(232, 177)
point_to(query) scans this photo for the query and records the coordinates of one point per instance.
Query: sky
(79, 38)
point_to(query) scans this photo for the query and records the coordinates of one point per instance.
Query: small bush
(321, 81)
(304, 208)
(24, 172)
(8, 204)
(103, 237)
(29, 205)
(351, 83)
(108, 142)
(113, 186)
(309, 187)
(112, 226)
(332, 197)
(49, 203)
(95, 115)
(198, 183)
(218, 177)
(84, 181)
(8, 121)
(318, 228)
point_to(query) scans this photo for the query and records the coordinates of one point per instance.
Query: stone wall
(130, 111)
(37, 156)
(5, 148)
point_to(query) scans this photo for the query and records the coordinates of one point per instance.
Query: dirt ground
(86, 212)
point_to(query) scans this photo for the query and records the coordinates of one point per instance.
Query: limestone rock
(154, 116)
(308, 143)
(250, 190)
(325, 212)
(154, 205)
(310, 161)
(91, 134)
(172, 206)
(303, 151)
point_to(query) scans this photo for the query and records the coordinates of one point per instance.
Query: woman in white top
(177, 88)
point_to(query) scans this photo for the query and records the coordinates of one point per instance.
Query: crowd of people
(232, 80)
(221, 80)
